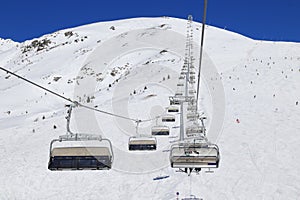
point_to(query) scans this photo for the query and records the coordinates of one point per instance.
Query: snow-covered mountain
(250, 95)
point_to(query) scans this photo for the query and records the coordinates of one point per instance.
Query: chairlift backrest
(142, 143)
(168, 118)
(194, 155)
(160, 130)
(80, 157)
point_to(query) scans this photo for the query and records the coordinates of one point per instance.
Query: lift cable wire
(75, 102)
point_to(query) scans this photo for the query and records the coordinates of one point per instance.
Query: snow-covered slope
(130, 67)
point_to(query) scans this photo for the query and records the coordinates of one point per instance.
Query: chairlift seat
(179, 93)
(173, 109)
(194, 156)
(192, 115)
(194, 129)
(168, 118)
(160, 130)
(78, 158)
(191, 108)
(142, 143)
(192, 91)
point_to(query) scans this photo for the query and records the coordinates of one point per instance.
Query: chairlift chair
(177, 99)
(160, 130)
(173, 109)
(174, 100)
(178, 93)
(192, 115)
(192, 91)
(97, 156)
(194, 155)
(180, 84)
(191, 107)
(81, 157)
(142, 143)
(194, 129)
(168, 118)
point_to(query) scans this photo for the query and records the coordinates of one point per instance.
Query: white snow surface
(102, 64)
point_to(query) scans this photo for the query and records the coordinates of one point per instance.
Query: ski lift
(160, 129)
(168, 118)
(179, 93)
(174, 100)
(98, 155)
(191, 107)
(180, 84)
(192, 115)
(194, 155)
(141, 142)
(173, 109)
(192, 91)
(194, 130)
(192, 81)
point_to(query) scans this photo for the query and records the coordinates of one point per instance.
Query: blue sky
(258, 19)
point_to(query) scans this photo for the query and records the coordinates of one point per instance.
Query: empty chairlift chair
(175, 100)
(181, 77)
(191, 107)
(192, 115)
(173, 109)
(94, 157)
(194, 130)
(80, 151)
(192, 77)
(168, 118)
(192, 91)
(142, 143)
(160, 130)
(178, 93)
(194, 155)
